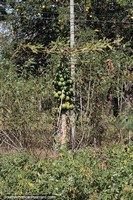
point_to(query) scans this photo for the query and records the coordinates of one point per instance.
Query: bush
(87, 174)
(26, 109)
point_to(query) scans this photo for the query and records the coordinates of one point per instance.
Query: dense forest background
(36, 85)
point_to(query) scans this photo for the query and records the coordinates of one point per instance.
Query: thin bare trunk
(63, 137)
(61, 126)
(72, 42)
(89, 93)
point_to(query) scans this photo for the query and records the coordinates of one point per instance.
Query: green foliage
(85, 175)
(38, 41)
(34, 23)
(26, 108)
(3, 13)
(127, 121)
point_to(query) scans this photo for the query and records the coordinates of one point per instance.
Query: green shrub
(87, 174)
(26, 109)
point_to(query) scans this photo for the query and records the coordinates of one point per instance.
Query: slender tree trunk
(63, 129)
(62, 125)
(72, 42)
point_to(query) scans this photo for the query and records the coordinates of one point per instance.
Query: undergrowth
(87, 174)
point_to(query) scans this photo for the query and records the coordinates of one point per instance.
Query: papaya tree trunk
(63, 138)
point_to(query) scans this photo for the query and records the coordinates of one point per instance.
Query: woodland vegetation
(39, 95)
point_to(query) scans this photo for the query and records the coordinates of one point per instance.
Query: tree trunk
(72, 42)
(63, 138)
